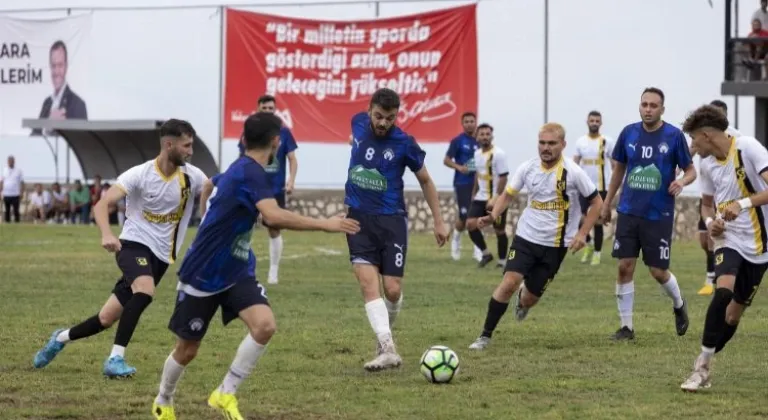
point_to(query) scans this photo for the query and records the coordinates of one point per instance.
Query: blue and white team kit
(462, 151)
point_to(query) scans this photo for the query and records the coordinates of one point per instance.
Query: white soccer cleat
(387, 358)
(455, 252)
(699, 379)
(478, 254)
(480, 344)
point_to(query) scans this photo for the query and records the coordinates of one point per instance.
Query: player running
(648, 152)
(734, 178)
(374, 194)
(547, 228)
(460, 157)
(160, 199)
(219, 269)
(704, 239)
(490, 182)
(593, 154)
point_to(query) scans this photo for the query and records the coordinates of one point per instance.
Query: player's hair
(705, 116)
(554, 128)
(385, 98)
(720, 104)
(266, 98)
(468, 114)
(656, 91)
(177, 128)
(259, 130)
(59, 45)
(594, 113)
(485, 125)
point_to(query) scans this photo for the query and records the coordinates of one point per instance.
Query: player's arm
(513, 188)
(757, 154)
(577, 155)
(619, 158)
(114, 194)
(278, 218)
(205, 194)
(587, 189)
(450, 156)
(430, 193)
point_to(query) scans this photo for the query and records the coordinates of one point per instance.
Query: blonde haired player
(547, 229)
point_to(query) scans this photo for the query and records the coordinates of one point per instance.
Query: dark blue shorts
(192, 315)
(463, 199)
(382, 242)
(653, 237)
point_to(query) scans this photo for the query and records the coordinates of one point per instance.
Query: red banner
(323, 72)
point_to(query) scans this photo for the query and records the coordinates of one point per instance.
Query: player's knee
(733, 313)
(392, 289)
(472, 224)
(509, 285)
(107, 317)
(144, 284)
(263, 330)
(626, 269)
(659, 274)
(185, 351)
(273, 232)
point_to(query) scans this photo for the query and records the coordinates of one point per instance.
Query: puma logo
(398, 246)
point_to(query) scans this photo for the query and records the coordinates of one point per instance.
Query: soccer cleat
(520, 312)
(681, 319)
(485, 260)
(588, 251)
(501, 264)
(481, 343)
(706, 290)
(595, 259)
(272, 277)
(455, 250)
(699, 379)
(49, 352)
(115, 367)
(623, 333)
(478, 255)
(163, 412)
(226, 404)
(387, 358)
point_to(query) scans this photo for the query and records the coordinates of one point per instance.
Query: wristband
(745, 203)
(708, 222)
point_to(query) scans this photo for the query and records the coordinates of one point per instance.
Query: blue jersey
(221, 254)
(462, 151)
(651, 160)
(376, 168)
(276, 167)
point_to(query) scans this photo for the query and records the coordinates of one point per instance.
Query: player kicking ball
(547, 229)
(374, 194)
(219, 270)
(734, 174)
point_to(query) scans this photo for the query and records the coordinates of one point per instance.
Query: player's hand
(289, 188)
(492, 202)
(58, 114)
(484, 221)
(441, 233)
(716, 228)
(342, 224)
(732, 211)
(676, 187)
(605, 215)
(463, 169)
(110, 243)
(579, 241)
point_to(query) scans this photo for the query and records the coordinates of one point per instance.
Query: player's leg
(541, 275)
(706, 246)
(106, 317)
(626, 248)
(502, 240)
(463, 201)
(189, 322)
(275, 245)
(476, 210)
(520, 259)
(589, 249)
(656, 243)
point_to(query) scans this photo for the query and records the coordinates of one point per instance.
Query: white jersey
(158, 208)
(551, 217)
(595, 159)
(489, 166)
(737, 177)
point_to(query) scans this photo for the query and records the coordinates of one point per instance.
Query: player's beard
(593, 129)
(177, 159)
(377, 129)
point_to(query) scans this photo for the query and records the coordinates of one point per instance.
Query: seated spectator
(80, 204)
(761, 14)
(40, 204)
(60, 208)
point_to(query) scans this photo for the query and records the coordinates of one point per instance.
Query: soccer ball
(439, 364)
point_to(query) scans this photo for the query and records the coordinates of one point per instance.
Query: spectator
(60, 204)
(761, 14)
(757, 50)
(39, 204)
(80, 203)
(12, 189)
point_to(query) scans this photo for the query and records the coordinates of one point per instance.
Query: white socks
(172, 371)
(378, 316)
(275, 252)
(247, 355)
(456, 238)
(673, 291)
(117, 351)
(393, 308)
(625, 298)
(63, 337)
(710, 279)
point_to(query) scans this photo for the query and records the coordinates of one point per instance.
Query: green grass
(559, 363)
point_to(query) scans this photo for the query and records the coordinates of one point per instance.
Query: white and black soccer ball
(439, 364)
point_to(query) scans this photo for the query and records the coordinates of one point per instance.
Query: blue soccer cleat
(115, 367)
(49, 352)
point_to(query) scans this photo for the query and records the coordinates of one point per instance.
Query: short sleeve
(619, 153)
(584, 185)
(757, 155)
(609, 146)
(255, 184)
(500, 164)
(516, 184)
(414, 155)
(290, 142)
(683, 157)
(199, 180)
(706, 185)
(130, 180)
(452, 149)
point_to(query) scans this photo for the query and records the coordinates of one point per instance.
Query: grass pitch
(558, 363)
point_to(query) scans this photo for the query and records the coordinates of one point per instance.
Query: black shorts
(653, 237)
(477, 210)
(584, 203)
(702, 225)
(538, 264)
(136, 260)
(382, 241)
(748, 274)
(463, 199)
(280, 198)
(192, 314)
